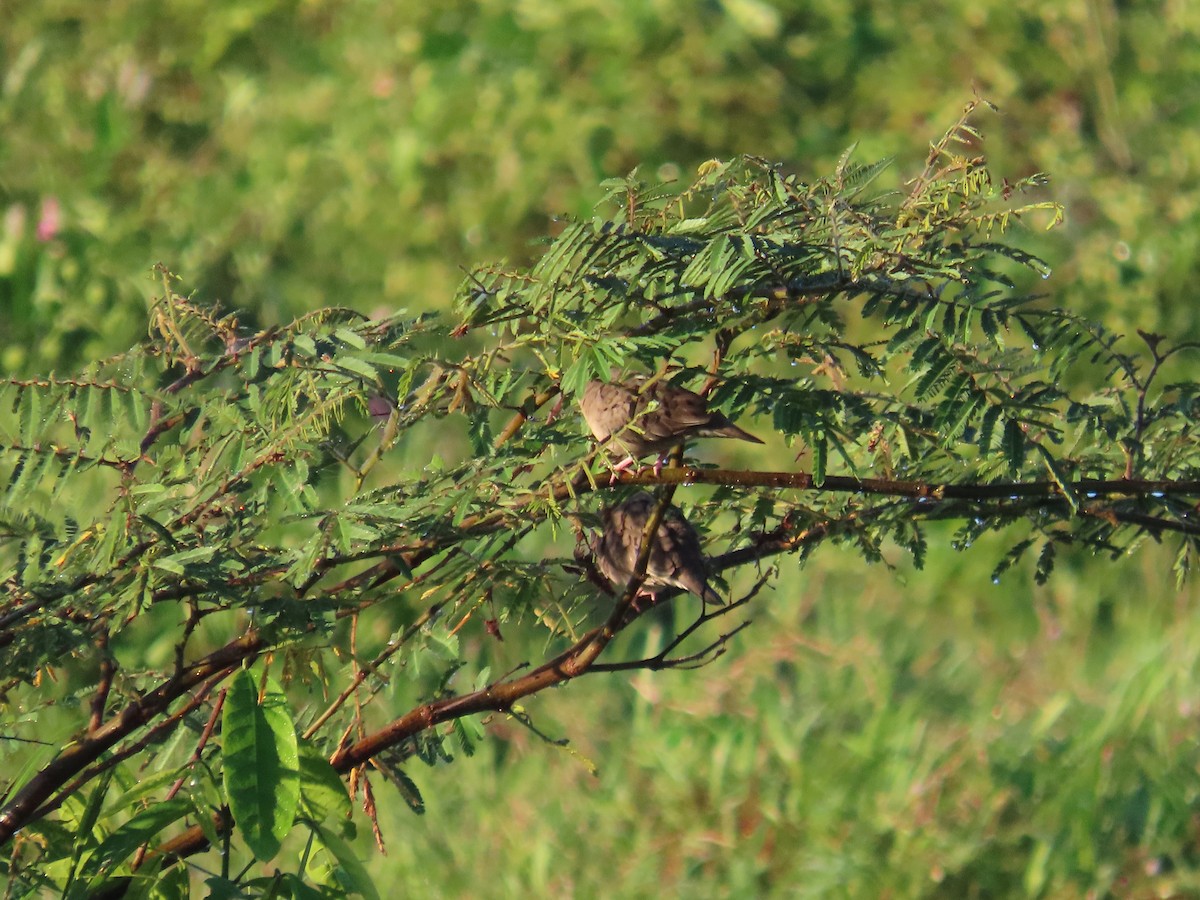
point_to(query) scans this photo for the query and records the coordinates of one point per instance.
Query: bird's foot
(618, 469)
(643, 595)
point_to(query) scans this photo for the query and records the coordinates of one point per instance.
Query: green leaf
(300, 889)
(305, 344)
(32, 422)
(167, 564)
(991, 329)
(956, 407)
(1061, 478)
(465, 742)
(151, 784)
(1010, 558)
(1014, 445)
(987, 428)
(349, 337)
(87, 821)
(577, 376)
(351, 867)
(322, 791)
(144, 827)
(820, 452)
(223, 889)
(408, 789)
(389, 361)
(1045, 563)
(261, 766)
(186, 557)
(358, 367)
(253, 365)
(1182, 566)
(933, 376)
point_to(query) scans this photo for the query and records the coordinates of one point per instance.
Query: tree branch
(75, 757)
(1085, 487)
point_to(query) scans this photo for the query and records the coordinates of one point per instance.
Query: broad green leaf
(261, 765)
(322, 791)
(351, 867)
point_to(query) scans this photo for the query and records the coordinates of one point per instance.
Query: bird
(621, 412)
(675, 558)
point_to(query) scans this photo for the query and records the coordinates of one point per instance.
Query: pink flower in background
(48, 222)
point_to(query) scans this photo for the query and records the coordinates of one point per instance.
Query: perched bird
(622, 412)
(675, 559)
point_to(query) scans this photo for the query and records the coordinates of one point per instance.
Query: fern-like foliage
(213, 497)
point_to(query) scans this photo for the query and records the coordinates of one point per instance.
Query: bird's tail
(729, 430)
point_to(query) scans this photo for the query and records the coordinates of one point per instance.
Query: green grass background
(879, 732)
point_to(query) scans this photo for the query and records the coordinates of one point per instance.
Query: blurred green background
(879, 732)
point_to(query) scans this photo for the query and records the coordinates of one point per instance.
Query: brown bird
(622, 412)
(675, 559)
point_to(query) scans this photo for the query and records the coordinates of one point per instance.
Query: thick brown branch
(77, 756)
(416, 553)
(1084, 487)
(157, 733)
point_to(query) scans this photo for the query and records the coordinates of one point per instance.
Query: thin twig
(108, 668)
